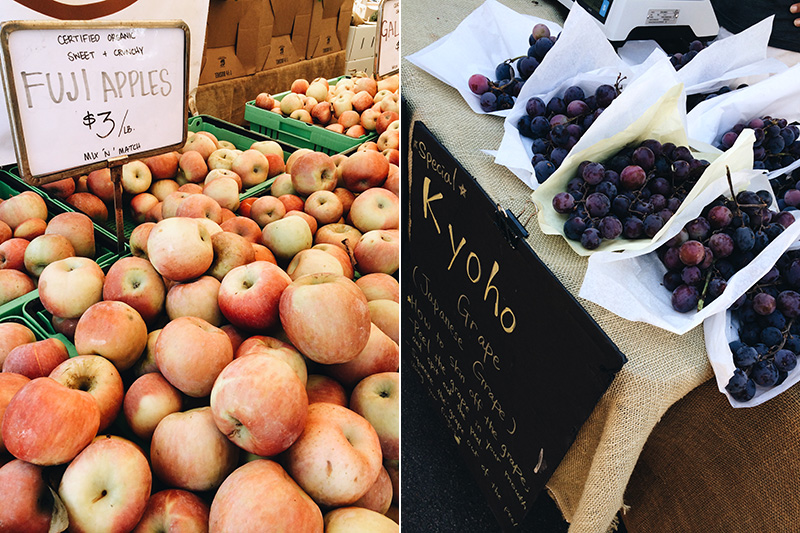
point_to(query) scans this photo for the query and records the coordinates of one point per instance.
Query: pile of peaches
(238, 373)
(353, 106)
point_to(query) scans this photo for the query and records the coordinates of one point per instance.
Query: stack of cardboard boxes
(361, 48)
(245, 37)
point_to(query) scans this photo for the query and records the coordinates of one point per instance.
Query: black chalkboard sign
(510, 359)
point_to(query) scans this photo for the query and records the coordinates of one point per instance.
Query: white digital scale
(623, 20)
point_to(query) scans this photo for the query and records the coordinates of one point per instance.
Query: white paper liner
(719, 330)
(728, 58)
(484, 39)
(777, 96)
(661, 121)
(629, 284)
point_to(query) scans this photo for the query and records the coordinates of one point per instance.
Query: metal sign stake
(115, 164)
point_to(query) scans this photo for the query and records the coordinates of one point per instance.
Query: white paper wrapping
(629, 283)
(728, 58)
(777, 96)
(484, 39)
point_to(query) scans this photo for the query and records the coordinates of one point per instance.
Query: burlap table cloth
(589, 484)
(708, 468)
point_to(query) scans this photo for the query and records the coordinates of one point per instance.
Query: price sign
(84, 93)
(388, 50)
(511, 361)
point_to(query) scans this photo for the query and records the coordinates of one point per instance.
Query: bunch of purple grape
(500, 94)
(769, 330)
(630, 195)
(693, 99)
(710, 249)
(556, 126)
(776, 145)
(680, 59)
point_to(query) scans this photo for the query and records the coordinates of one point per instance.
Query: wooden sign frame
(10, 88)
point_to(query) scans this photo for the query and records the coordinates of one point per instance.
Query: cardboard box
(292, 21)
(361, 41)
(237, 39)
(330, 23)
(365, 65)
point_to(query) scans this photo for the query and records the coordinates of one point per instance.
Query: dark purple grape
(720, 216)
(604, 95)
(763, 304)
(610, 227)
(488, 102)
(672, 280)
(671, 259)
(598, 204)
(708, 259)
(785, 360)
(692, 253)
(716, 287)
(747, 393)
(632, 177)
(691, 275)
(699, 229)
(593, 173)
(563, 202)
(558, 155)
(556, 106)
(574, 130)
(607, 188)
(559, 120)
(728, 139)
(643, 157)
(788, 303)
(632, 227)
(535, 107)
(652, 224)
(503, 71)
(744, 238)
(685, 298)
(745, 356)
(574, 228)
(478, 84)
(738, 382)
(540, 127)
(573, 92)
(541, 47)
(576, 108)
(764, 373)
(620, 205)
(721, 245)
(792, 197)
(526, 66)
(591, 239)
(543, 170)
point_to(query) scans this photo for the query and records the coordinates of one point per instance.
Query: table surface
(589, 484)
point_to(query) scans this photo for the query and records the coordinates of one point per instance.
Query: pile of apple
(353, 106)
(147, 183)
(29, 242)
(236, 374)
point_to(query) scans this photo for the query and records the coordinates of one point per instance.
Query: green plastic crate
(301, 134)
(19, 315)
